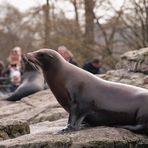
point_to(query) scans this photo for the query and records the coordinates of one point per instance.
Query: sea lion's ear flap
(52, 57)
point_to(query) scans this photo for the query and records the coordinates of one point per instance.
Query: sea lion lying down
(33, 81)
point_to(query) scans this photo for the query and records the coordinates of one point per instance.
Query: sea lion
(90, 99)
(33, 81)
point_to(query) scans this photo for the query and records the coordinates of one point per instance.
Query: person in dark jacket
(1, 68)
(92, 66)
(67, 55)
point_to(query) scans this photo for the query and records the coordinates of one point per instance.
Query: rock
(49, 126)
(105, 137)
(99, 137)
(13, 128)
(43, 140)
(145, 80)
(135, 61)
(51, 114)
(39, 107)
(124, 76)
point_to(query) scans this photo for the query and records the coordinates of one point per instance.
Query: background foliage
(88, 34)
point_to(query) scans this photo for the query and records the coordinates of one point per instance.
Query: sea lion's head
(45, 58)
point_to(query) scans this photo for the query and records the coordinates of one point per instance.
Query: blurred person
(14, 58)
(92, 66)
(4, 80)
(14, 67)
(1, 68)
(1, 71)
(67, 55)
(15, 78)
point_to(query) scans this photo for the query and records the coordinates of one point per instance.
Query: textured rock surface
(101, 137)
(43, 140)
(135, 61)
(39, 107)
(43, 106)
(13, 128)
(124, 76)
(50, 126)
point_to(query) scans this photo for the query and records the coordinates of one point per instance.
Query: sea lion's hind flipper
(140, 128)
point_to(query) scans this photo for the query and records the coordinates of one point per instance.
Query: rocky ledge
(47, 121)
(99, 137)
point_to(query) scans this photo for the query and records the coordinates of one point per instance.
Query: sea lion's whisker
(34, 62)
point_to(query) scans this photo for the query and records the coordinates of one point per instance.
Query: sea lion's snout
(33, 58)
(30, 56)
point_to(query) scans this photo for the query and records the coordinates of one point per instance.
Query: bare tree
(75, 4)
(135, 21)
(18, 29)
(108, 32)
(89, 21)
(10, 24)
(47, 24)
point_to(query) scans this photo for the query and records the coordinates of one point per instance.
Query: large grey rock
(135, 61)
(39, 107)
(43, 140)
(105, 137)
(49, 126)
(13, 128)
(124, 76)
(100, 137)
(43, 135)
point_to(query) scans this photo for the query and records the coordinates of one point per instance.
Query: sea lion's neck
(54, 73)
(57, 83)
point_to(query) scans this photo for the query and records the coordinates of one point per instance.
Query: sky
(26, 4)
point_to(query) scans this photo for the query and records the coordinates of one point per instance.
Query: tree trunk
(47, 26)
(76, 11)
(89, 21)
